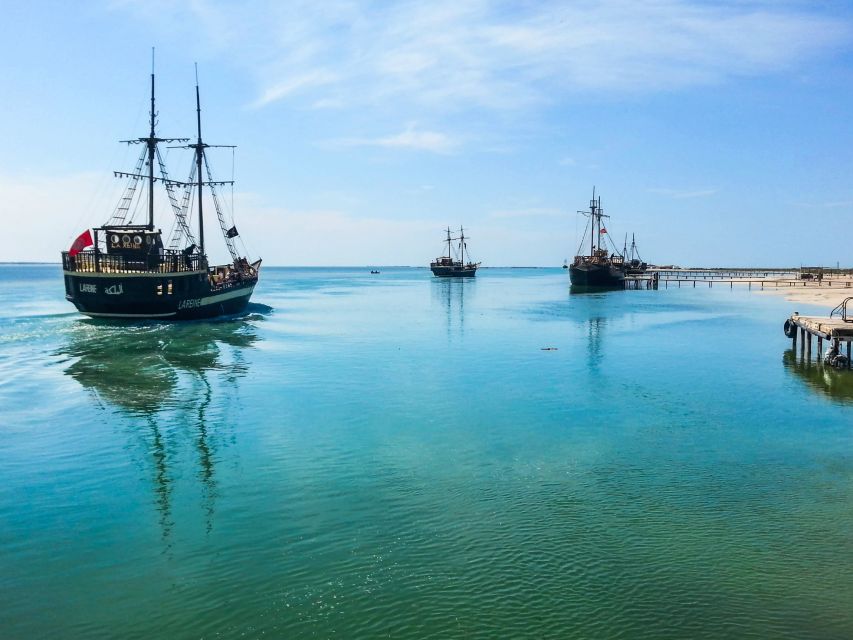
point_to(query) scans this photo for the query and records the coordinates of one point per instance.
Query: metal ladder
(841, 310)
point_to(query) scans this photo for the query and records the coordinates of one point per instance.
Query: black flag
(232, 232)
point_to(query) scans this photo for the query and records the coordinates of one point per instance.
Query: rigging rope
(580, 245)
(229, 242)
(183, 229)
(119, 216)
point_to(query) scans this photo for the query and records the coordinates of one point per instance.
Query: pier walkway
(760, 279)
(837, 329)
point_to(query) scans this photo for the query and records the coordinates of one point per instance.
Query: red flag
(603, 230)
(83, 240)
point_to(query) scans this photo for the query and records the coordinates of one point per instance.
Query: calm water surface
(396, 456)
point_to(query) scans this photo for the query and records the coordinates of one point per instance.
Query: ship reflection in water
(575, 289)
(163, 379)
(450, 294)
(825, 379)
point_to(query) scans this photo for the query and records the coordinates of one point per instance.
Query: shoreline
(812, 293)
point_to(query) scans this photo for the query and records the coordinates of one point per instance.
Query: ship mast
(592, 226)
(151, 151)
(152, 148)
(462, 245)
(449, 246)
(598, 237)
(199, 158)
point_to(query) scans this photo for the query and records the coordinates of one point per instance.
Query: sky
(719, 133)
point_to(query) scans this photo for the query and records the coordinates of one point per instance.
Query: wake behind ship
(601, 268)
(130, 272)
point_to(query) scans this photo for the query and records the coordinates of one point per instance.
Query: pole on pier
(819, 347)
(794, 340)
(808, 346)
(802, 343)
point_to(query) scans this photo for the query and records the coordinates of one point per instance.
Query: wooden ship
(128, 270)
(601, 267)
(450, 266)
(634, 264)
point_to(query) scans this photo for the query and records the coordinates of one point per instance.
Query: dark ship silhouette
(129, 272)
(447, 266)
(600, 268)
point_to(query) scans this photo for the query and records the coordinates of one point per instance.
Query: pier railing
(169, 261)
(662, 278)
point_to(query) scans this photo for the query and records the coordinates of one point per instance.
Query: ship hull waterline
(597, 275)
(163, 296)
(454, 272)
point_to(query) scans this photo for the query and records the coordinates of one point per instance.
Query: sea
(394, 455)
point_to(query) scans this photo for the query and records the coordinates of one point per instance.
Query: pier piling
(838, 331)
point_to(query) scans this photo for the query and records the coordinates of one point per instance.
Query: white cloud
(679, 194)
(335, 237)
(409, 139)
(293, 84)
(456, 55)
(532, 212)
(44, 214)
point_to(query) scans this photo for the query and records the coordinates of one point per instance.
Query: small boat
(601, 268)
(132, 271)
(373, 271)
(448, 266)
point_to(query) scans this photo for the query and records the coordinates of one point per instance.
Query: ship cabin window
(169, 287)
(160, 289)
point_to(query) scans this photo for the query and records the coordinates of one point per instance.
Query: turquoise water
(396, 456)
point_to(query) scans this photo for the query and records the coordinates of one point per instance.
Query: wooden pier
(835, 329)
(750, 278)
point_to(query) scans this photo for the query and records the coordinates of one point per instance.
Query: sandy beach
(824, 294)
(827, 293)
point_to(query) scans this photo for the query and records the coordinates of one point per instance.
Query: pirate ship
(447, 266)
(600, 268)
(127, 270)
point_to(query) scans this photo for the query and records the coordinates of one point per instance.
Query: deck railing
(169, 261)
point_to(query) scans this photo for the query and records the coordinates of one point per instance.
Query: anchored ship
(601, 267)
(447, 266)
(634, 265)
(129, 270)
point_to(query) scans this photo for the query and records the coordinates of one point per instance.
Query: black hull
(163, 296)
(454, 272)
(597, 275)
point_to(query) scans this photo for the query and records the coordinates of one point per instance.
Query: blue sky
(718, 132)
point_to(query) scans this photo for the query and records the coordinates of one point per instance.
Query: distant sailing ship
(601, 268)
(130, 273)
(634, 265)
(446, 266)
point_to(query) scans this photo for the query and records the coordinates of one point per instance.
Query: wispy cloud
(294, 84)
(50, 211)
(432, 141)
(533, 212)
(455, 55)
(679, 194)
